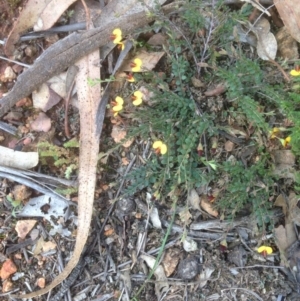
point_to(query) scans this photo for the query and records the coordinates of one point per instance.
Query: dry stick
(67, 102)
(80, 265)
(36, 186)
(87, 15)
(16, 62)
(280, 69)
(243, 289)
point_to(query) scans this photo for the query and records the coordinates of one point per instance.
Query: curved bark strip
(89, 98)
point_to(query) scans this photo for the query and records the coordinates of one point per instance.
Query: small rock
(125, 206)
(287, 45)
(197, 83)
(41, 282)
(7, 285)
(30, 51)
(238, 256)
(9, 74)
(229, 146)
(13, 116)
(157, 39)
(188, 268)
(41, 124)
(8, 268)
(23, 227)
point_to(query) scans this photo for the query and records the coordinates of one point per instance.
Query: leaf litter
(200, 248)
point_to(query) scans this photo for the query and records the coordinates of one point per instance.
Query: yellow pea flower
(136, 65)
(116, 36)
(286, 142)
(117, 105)
(264, 250)
(137, 98)
(130, 78)
(295, 72)
(273, 134)
(121, 45)
(160, 147)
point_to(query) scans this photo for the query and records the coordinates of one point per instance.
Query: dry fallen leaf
(207, 206)
(8, 268)
(285, 237)
(185, 216)
(289, 11)
(266, 41)
(218, 90)
(21, 192)
(154, 216)
(149, 60)
(125, 161)
(48, 246)
(158, 39)
(161, 284)
(294, 210)
(125, 276)
(194, 199)
(287, 45)
(189, 245)
(39, 246)
(23, 227)
(284, 164)
(170, 261)
(205, 275)
(118, 134)
(280, 202)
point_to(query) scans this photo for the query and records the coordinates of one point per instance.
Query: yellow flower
(285, 142)
(160, 147)
(116, 37)
(136, 65)
(264, 250)
(117, 105)
(137, 98)
(130, 78)
(121, 45)
(295, 72)
(274, 133)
